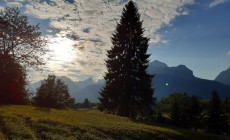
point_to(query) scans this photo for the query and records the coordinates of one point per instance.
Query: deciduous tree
(20, 40)
(21, 47)
(53, 93)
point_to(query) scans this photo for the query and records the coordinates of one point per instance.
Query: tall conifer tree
(128, 90)
(217, 121)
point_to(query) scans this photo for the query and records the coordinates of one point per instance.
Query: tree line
(194, 113)
(128, 87)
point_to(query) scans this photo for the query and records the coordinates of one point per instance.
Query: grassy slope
(28, 122)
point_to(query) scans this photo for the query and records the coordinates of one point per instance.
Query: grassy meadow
(29, 122)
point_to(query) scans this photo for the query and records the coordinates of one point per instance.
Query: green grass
(28, 122)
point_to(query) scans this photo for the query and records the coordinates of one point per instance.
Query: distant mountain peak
(157, 63)
(182, 66)
(89, 80)
(63, 78)
(86, 82)
(182, 70)
(224, 77)
(157, 67)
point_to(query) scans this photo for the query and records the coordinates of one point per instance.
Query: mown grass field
(29, 122)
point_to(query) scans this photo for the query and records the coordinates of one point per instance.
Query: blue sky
(199, 40)
(195, 33)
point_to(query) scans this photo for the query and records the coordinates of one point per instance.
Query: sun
(61, 50)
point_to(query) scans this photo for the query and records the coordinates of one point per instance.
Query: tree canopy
(128, 90)
(53, 93)
(21, 41)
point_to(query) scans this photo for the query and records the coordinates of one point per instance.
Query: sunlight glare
(61, 50)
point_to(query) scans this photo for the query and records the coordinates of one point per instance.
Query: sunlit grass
(28, 122)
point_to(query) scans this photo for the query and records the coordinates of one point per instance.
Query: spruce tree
(86, 103)
(217, 122)
(128, 90)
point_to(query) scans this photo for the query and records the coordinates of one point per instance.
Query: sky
(195, 33)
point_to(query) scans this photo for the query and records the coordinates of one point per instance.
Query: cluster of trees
(21, 47)
(192, 112)
(184, 111)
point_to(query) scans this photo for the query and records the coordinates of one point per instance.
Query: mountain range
(181, 79)
(78, 90)
(167, 80)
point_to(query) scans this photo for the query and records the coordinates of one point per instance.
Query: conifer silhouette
(128, 90)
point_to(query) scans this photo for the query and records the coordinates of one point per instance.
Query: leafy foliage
(19, 39)
(128, 89)
(12, 83)
(53, 93)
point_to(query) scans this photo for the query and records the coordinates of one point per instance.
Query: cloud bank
(84, 28)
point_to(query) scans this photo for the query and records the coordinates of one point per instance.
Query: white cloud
(217, 2)
(228, 53)
(89, 25)
(14, 4)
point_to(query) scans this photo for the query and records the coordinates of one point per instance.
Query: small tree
(86, 103)
(53, 93)
(128, 90)
(217, 122)
(12, 83)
